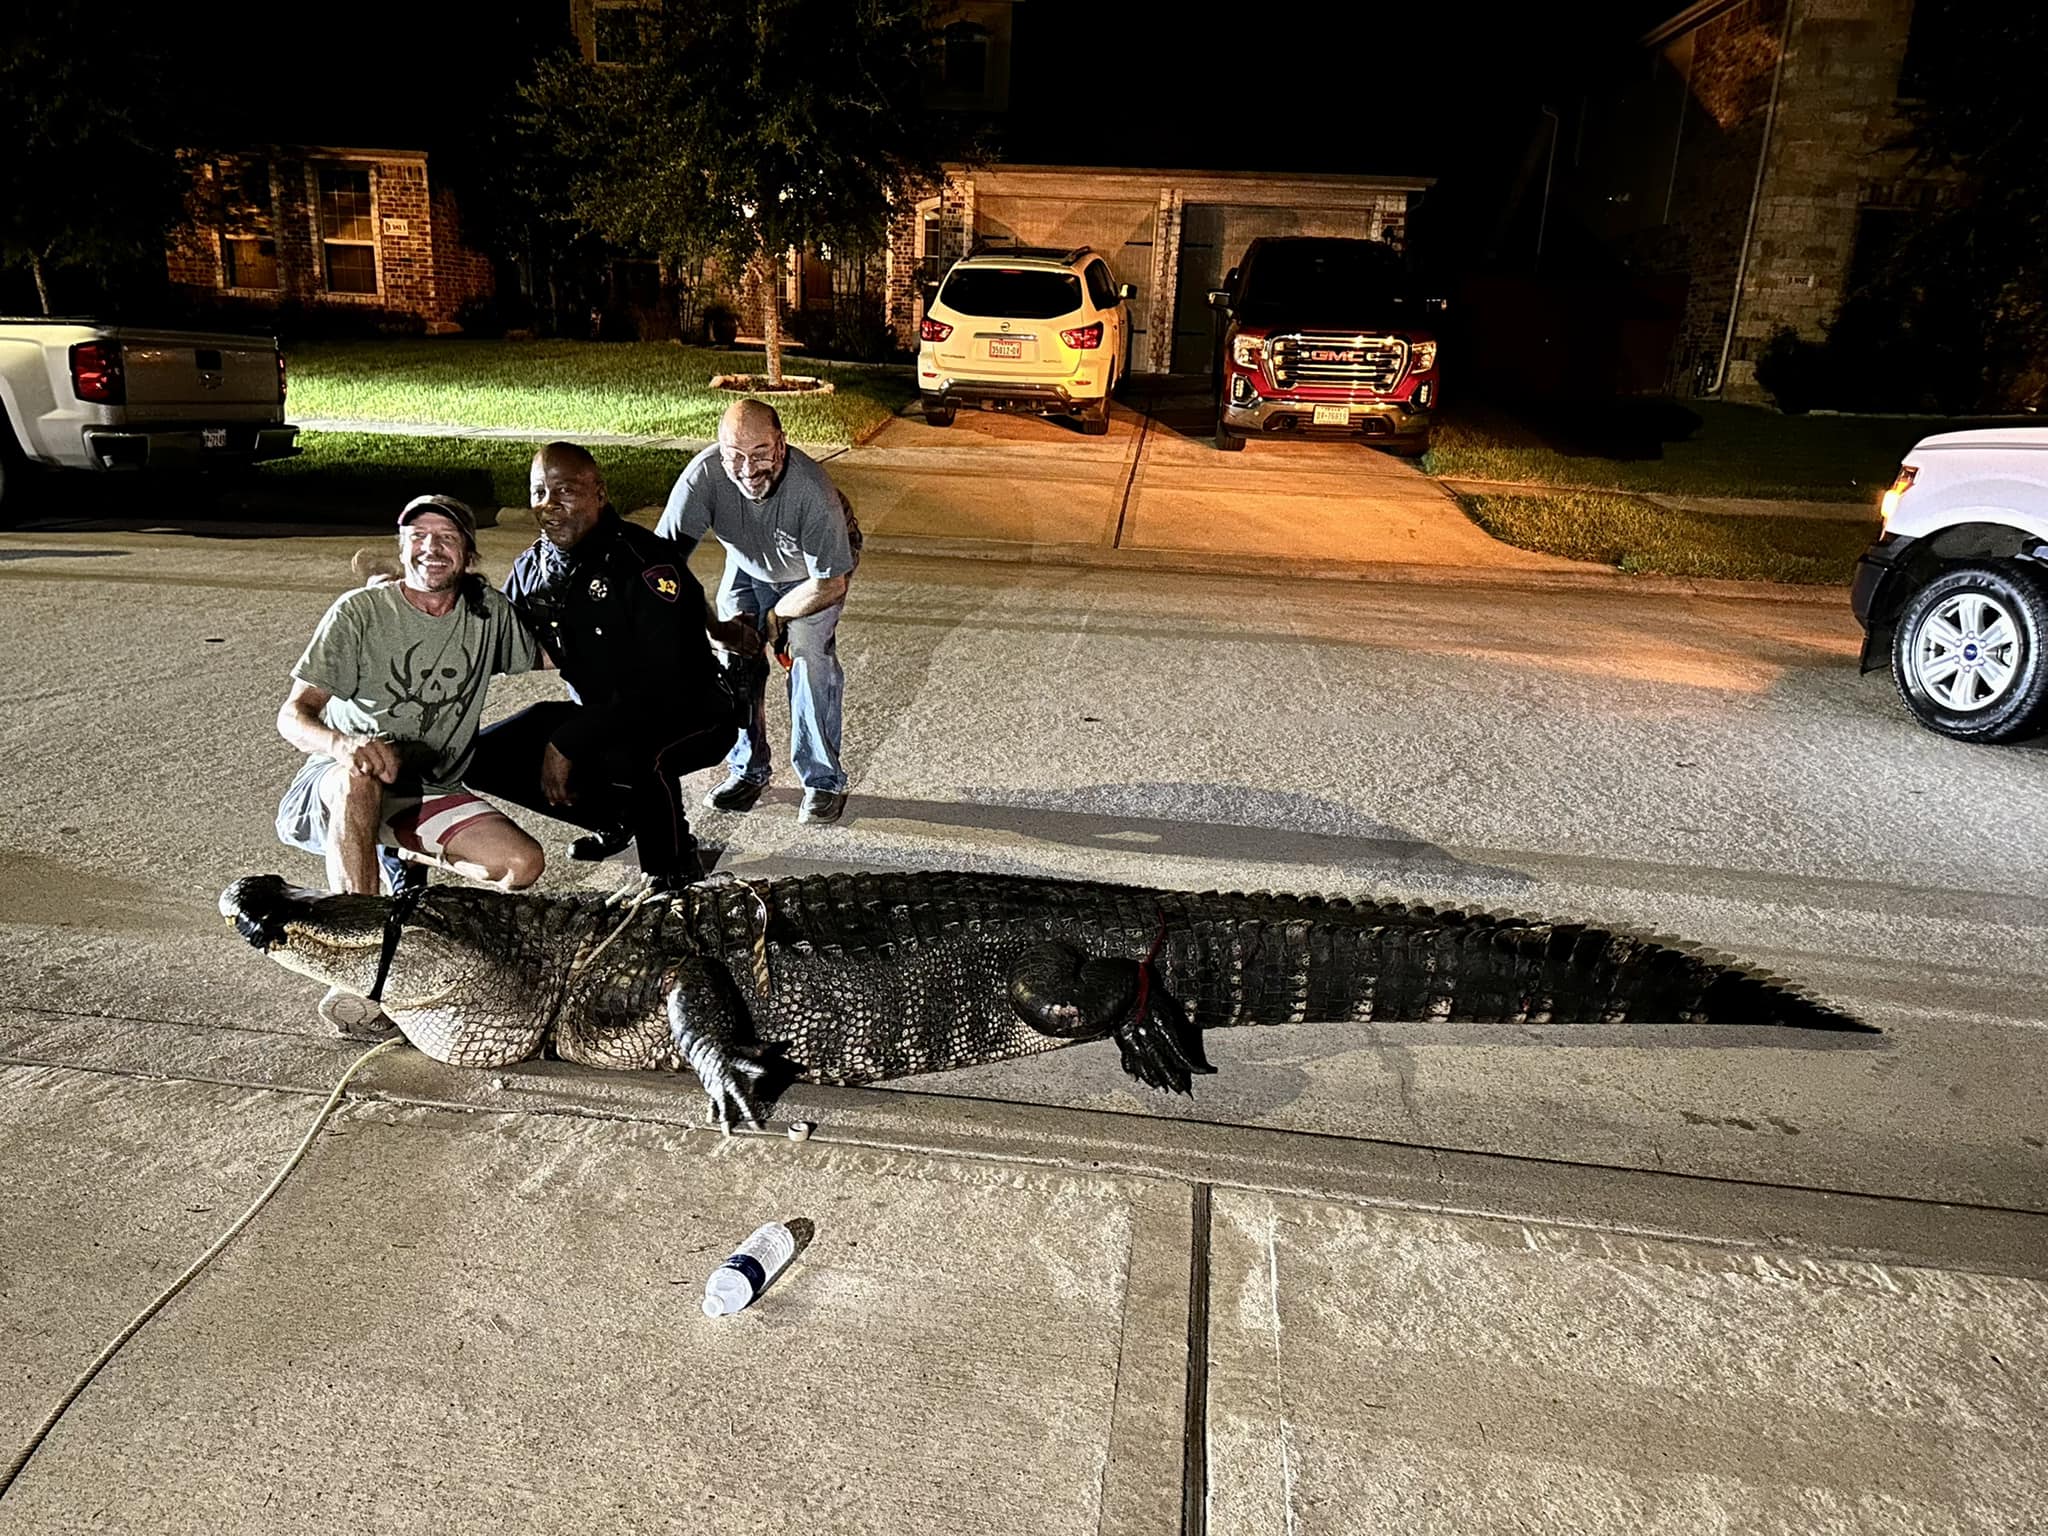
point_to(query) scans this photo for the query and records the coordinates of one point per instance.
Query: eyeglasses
(762, 460)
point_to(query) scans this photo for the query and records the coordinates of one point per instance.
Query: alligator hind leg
(1062, 993)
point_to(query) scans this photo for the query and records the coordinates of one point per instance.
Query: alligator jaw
(306, 931)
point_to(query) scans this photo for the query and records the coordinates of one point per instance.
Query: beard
(755, 485)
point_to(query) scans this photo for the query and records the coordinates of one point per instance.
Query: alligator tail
(1277, 959)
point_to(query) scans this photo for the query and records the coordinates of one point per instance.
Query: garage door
(1213, 237)
(1121, 231)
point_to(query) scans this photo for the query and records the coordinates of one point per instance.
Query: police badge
(598, 590)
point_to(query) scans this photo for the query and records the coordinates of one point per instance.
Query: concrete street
(1389, 1279)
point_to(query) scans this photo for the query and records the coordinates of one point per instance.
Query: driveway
(1157, 484)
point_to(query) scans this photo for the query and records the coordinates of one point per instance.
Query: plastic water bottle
(740, 1278)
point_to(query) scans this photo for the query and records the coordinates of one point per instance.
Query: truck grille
(1319, 360)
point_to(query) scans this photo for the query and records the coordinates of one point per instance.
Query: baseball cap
(455, 511)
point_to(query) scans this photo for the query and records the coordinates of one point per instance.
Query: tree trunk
(771, 315)
(35, 264)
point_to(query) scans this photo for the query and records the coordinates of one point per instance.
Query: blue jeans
(816, 684)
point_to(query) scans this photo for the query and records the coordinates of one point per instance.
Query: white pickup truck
(81, 395)
(1954, 594)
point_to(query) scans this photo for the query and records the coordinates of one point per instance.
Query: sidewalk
(1154, 496)
(474, 1308)
(1719, 506)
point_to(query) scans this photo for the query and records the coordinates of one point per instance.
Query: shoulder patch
(662, 581)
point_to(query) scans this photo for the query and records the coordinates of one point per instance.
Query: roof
(1033, 255)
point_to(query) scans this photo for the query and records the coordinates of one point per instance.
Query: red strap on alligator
(1145, 971)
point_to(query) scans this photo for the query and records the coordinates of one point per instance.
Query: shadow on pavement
(261, 503)
(63, 554)
(1088, 818)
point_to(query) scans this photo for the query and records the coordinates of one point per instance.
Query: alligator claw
(1160, 1048)
(728, 1092)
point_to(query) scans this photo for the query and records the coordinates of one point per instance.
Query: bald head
(751, 447)
(748, 416)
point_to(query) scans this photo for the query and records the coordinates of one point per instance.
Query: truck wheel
(1970, 653)
(938, 415)
(1227, 440)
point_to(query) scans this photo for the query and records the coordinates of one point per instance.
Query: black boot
(594, 847)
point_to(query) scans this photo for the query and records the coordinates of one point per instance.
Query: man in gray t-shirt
(385, 704)
(790, 545)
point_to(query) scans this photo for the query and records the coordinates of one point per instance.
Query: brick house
(326, 229)
(1171, 234)
(1752, 154)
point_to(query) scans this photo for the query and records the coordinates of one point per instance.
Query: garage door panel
(1120, 231)
(1214, 237)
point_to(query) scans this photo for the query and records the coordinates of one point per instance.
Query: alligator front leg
(1060, 992)
(714, 1038)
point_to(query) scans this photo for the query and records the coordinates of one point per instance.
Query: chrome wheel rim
(1966, 652)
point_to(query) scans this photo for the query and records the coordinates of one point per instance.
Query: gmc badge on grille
(1329, 355)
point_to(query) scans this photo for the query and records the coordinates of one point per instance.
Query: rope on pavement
(85, 1377)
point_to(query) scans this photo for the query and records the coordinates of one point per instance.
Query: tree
(1966, 288)
(90, 179)
(746, 128)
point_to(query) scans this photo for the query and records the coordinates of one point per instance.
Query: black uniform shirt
(624, 619)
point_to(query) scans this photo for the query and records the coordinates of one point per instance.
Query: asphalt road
(1701, 765)
(1706, 767)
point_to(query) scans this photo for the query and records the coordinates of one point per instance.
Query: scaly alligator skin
(856, 978)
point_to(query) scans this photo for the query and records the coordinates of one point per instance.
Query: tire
(1410, 447)
(1095, 418)
(1970, 652)
(938, 415)
(1226, 440)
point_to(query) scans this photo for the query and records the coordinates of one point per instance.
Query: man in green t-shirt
(385, 704)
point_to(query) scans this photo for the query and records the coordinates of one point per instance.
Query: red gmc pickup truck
(1321, 336)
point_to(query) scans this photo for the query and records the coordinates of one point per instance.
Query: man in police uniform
(625, 621)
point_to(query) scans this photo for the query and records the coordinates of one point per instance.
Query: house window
(620, 33)
(248, 246)
(966, 62)
(348, 231)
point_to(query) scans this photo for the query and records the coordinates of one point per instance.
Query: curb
(1386, 572)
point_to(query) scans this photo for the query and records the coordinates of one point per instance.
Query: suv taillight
(96, 372)
(1084, 338)
(280, 378)
(933, 330)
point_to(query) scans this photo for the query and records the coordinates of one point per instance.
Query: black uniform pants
(631, 780)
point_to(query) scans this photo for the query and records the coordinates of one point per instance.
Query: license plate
(1333, 416)
(1006, 349)
(213, 437)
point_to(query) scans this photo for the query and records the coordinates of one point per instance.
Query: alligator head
(453, 962)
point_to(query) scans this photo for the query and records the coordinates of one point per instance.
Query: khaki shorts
(419, 823)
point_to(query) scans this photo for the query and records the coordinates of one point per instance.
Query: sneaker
(822, 805)
(595, 847)
(401, 877)
(353, 1016)
(736, 794)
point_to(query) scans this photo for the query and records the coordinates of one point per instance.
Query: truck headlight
(1421, 356)
(1899, 487)
(1248, 351)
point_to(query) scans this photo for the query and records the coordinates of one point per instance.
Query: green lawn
(1733, 450)
(1634, 535)
(379, 470)
(573, 386)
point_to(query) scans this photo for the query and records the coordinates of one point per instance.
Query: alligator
(856, 978)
